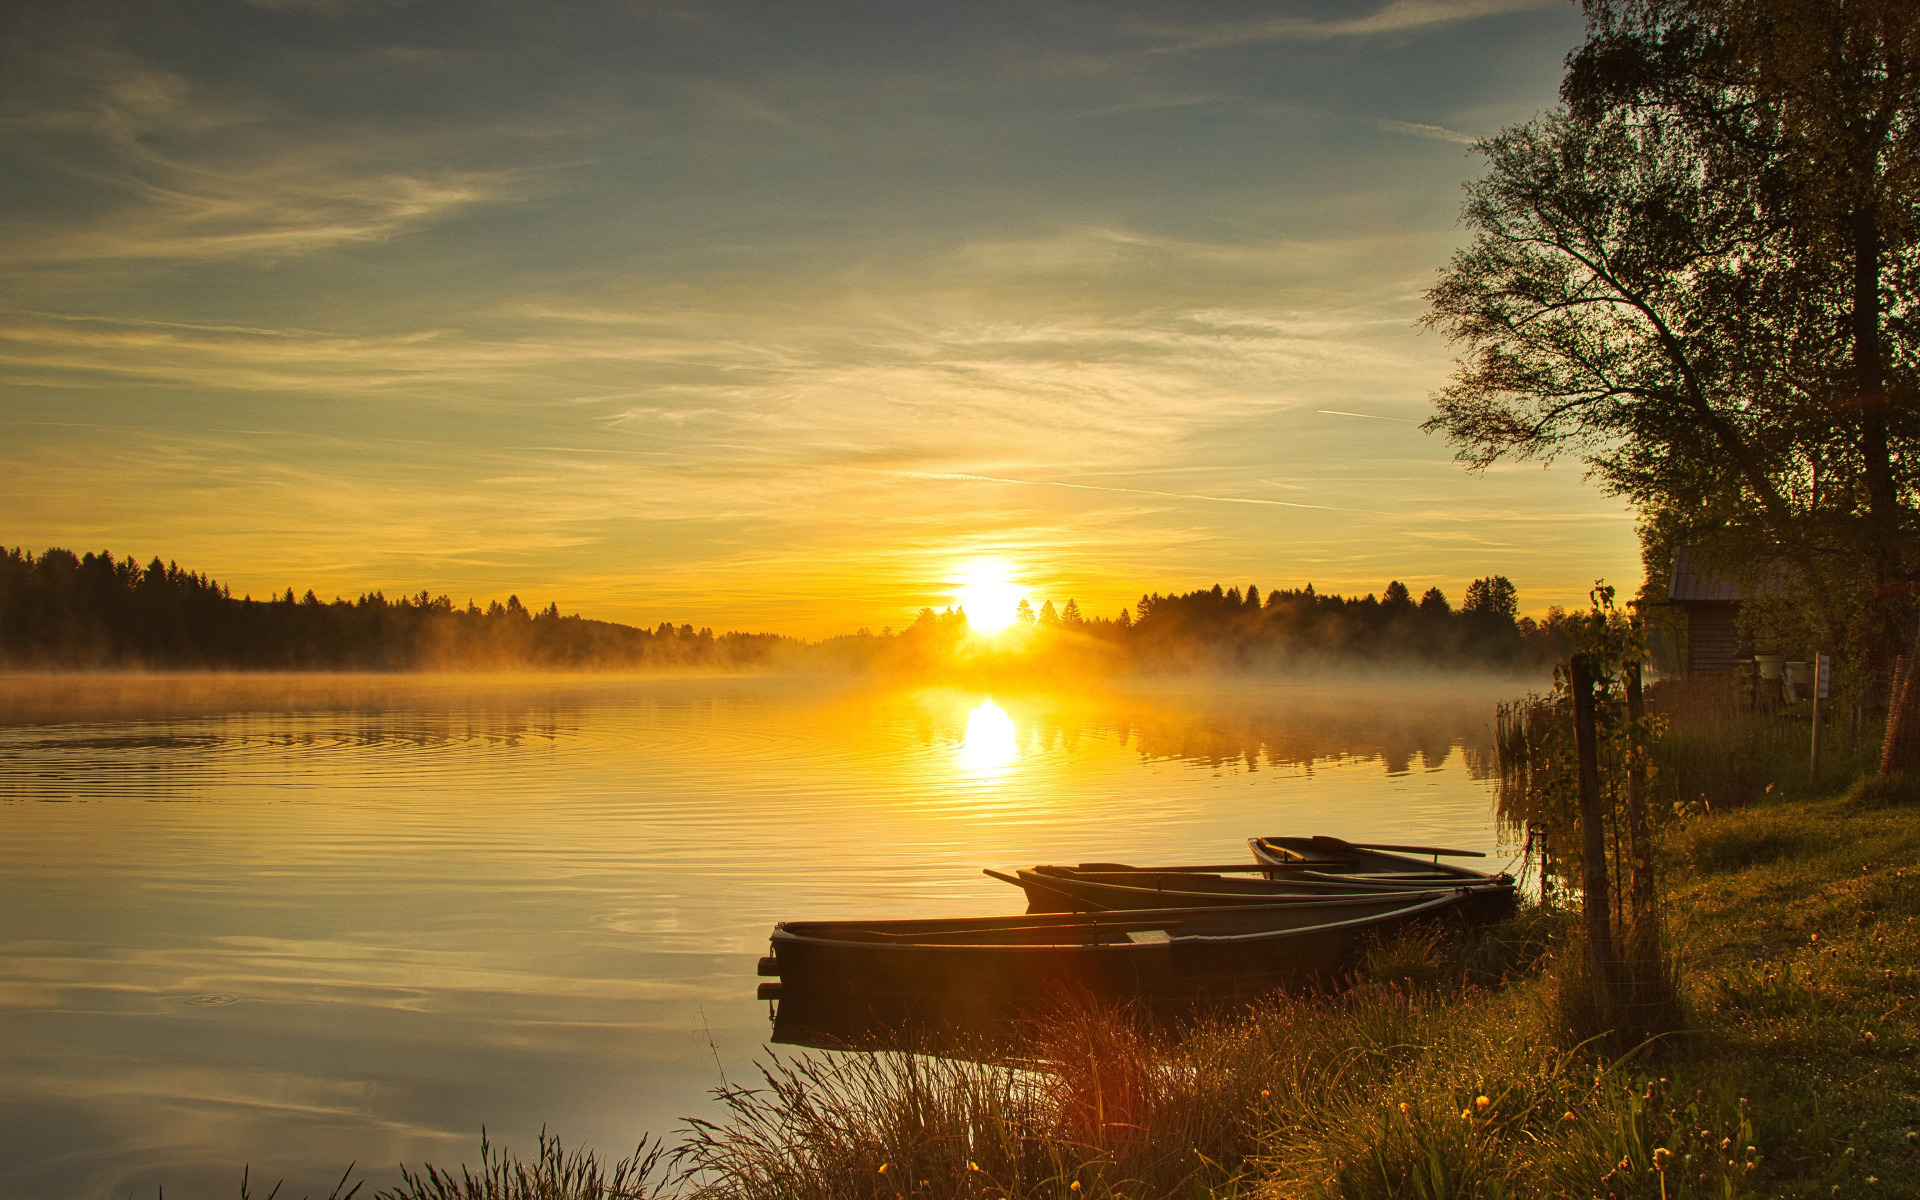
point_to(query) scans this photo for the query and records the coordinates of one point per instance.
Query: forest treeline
(1225, 629)
(65, 611)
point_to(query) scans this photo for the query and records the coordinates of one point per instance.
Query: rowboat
(984, 973)
(1331, 858)
(1103, 887)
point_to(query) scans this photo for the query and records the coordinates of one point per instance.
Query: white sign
(1823, 676)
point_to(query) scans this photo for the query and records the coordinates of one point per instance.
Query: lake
(301, 922)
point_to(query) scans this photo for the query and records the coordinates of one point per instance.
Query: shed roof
(1693, 582)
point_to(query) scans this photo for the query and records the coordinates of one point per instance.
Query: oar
(1023, 884)
(1229, 868)
(1437, 850)
(1440, 850)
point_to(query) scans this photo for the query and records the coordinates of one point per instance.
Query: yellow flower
(1076, 1185)
(1403, 1106)
(1481, 1102)
(1466, 1114)
(1660, 1156)
(883, 1168)
(1264, 1093)
(972, 1166)
(1566, 1116)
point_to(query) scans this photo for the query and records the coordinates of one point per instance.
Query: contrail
(1092, 487)
(1334, 412)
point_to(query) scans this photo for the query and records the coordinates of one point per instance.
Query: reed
(551, 1174)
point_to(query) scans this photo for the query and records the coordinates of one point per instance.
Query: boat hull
(1065, 889)
(897, 982)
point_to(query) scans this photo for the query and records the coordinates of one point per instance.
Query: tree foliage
(1698, 276)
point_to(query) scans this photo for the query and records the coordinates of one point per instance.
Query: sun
(988, 594)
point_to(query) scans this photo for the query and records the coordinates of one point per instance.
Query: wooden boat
(1322, 857)
(981, 974)
(1105, 887)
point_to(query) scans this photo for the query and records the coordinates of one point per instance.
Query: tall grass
(551, 1174)
(1723, 749)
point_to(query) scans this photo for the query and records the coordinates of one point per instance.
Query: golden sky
(761, 316)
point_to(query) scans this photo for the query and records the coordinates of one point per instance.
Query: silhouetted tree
(1492, 599)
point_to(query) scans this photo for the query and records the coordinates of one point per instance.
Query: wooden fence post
(1637, 837)
(1593, 840)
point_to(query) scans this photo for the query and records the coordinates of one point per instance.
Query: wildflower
(1873, 1180)
(1481, 1102)
(1076, 1185)
(1466, 1114)
(1566, 1116)
(1403, 1108)
(883, 1168)
(972, 1166)
(1264, 1093)
(1726, 1143)
(1660, 1156)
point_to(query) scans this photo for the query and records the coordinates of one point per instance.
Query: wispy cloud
(1336, 412)
(1094, 487)
(1437, 133)
(1399, 16)
(180, 171)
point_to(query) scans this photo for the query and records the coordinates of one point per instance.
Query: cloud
(162, 167)
(1094, 487)
(1399, 16)
(1438, 133)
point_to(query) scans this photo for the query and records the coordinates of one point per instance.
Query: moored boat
(981, 974)
(1109, 886)
(1322, 857)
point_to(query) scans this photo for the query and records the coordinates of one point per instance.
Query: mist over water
(298, 922)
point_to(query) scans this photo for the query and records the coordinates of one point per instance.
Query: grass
(1451, 1070)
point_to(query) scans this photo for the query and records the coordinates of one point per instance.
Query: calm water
(301, 923)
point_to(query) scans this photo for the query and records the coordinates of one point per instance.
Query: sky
(762, 316)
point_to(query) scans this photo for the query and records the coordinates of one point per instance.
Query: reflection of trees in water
(1249, 732)
(172, 737)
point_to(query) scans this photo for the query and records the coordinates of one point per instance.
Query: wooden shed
(1710, 602)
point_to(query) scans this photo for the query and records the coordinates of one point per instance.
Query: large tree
(1698, 276)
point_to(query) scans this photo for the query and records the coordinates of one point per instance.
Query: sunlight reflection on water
(300, 923)
(991, 744)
